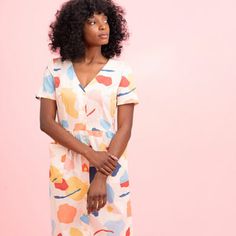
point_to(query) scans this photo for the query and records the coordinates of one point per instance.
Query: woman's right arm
(48, 125)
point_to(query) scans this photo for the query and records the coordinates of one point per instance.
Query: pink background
(182, 154)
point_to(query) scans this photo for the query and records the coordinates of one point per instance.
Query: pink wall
(182, 152)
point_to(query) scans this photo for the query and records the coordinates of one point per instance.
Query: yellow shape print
(74, 184)
(112, 104)
(75, 232)
(69, 99)
(102, 147)
(55, 175)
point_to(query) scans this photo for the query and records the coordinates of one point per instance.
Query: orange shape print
(66, 213)
(96, 133)
(57, 81)
(124, 82)
(84, 167)
(109, 208)
(129, 213)
(63, 158)
(79, 126)
(104, 80)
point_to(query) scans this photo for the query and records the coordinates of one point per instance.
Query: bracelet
(113, 157)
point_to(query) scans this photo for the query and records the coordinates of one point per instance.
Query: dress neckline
(91, 81)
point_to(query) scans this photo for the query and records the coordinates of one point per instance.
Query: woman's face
(96, 30)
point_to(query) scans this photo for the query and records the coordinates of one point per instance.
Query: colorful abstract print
(90, 114)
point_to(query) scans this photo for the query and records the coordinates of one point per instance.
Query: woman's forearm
(118, 145)
(65, 138)
(119, 141)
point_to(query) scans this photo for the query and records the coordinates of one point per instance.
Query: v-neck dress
(90, 114)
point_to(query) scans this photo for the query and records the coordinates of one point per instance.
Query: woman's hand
(102, 161)
(97, 194)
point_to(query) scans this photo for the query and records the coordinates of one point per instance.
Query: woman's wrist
(88, 152)
(101, 175)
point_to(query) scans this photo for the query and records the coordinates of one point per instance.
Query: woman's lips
(103, 36)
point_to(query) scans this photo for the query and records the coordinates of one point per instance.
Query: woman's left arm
(124, 127)
(97, 189)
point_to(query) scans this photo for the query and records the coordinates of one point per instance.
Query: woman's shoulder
(57, 61)
(54, 64)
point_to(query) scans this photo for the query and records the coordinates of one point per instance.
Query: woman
(92, 95)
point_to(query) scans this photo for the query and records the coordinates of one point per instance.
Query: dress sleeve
(47, 86)
(127, 91)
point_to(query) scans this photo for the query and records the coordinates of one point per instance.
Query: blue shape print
(48, 83)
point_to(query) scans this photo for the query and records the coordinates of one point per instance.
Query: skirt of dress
(70, 176)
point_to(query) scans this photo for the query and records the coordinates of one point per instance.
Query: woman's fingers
(96, 203)
(89, 204)
(100, 203)
(111, 164)
(108, 167)
(104, 200)
(104, 171)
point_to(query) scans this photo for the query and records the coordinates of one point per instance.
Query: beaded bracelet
(113, 157)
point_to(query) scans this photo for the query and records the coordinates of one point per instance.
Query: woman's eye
(91, 22)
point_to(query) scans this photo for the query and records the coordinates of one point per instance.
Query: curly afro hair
(66, 32)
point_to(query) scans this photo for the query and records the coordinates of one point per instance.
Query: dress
(89, 114)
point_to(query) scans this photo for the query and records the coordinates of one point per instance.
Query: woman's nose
(102, 26)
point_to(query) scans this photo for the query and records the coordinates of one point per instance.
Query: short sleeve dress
(90, 115)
